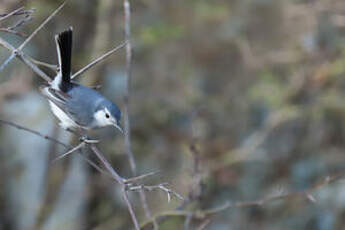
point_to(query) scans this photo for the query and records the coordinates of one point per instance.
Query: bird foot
(87, 140)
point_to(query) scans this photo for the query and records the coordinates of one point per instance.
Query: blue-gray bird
(77, 106)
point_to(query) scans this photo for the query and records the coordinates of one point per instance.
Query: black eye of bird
(107, 115)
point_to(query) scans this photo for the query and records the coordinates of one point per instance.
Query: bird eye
(107, 115)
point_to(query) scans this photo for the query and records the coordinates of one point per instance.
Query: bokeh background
(234, 100)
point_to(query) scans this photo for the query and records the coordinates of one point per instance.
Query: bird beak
(118, 126)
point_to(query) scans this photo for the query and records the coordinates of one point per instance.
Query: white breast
(65, 121)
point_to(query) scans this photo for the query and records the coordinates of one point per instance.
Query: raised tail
(64, 50)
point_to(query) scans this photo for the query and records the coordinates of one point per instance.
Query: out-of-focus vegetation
(249, 91)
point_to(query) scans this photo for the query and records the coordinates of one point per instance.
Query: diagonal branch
(201, 214)
(20, 127)
(120, 180)
(18, 52)
(41, 26)
(70, 151)
(24, 58)
(12, 31)
(5, 16)
(99, 59)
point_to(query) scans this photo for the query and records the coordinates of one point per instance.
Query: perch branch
(120, 180)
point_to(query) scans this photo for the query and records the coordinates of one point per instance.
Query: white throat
(101, 119)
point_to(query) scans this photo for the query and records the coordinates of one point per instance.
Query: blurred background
(235, 100)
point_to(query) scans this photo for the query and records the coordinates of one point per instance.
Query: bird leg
(85, 138)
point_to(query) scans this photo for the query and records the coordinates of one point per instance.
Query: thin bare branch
(82, 144)
(130, 209)
(5, 16)
(41, 26)
(20, 127)
(127, 129)
(24, 59)
(17, 12)
(18, 52)
(99, 59)
(106, 164)
(187, 221)
(8, 60)
(21, 22)
(204, 224)
(201, 214)
(11, 31)
(163, 187)
(40, 63)
(120, 180)
(140, 177)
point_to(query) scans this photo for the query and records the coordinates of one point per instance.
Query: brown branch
(201, 214)
(161, 187)
(20, 127)
(15, 12)
(120, 180)
(98, 60)
(18, 52)
(41, 26)
(11, 31)
(127, 130)
(21, 22)
(204, 224)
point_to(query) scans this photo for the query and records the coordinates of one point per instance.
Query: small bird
(75, 105)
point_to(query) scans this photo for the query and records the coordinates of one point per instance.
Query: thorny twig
(41, 26)
(19, 11)
(201, 214)
(18, 52)
(22, 21)
(162, 186)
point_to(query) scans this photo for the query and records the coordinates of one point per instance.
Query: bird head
(108, 114)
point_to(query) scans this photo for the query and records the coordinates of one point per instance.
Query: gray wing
(62, 100)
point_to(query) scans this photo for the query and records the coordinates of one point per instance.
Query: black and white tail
(63, 42)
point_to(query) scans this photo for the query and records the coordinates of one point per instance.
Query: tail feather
(64, 50)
